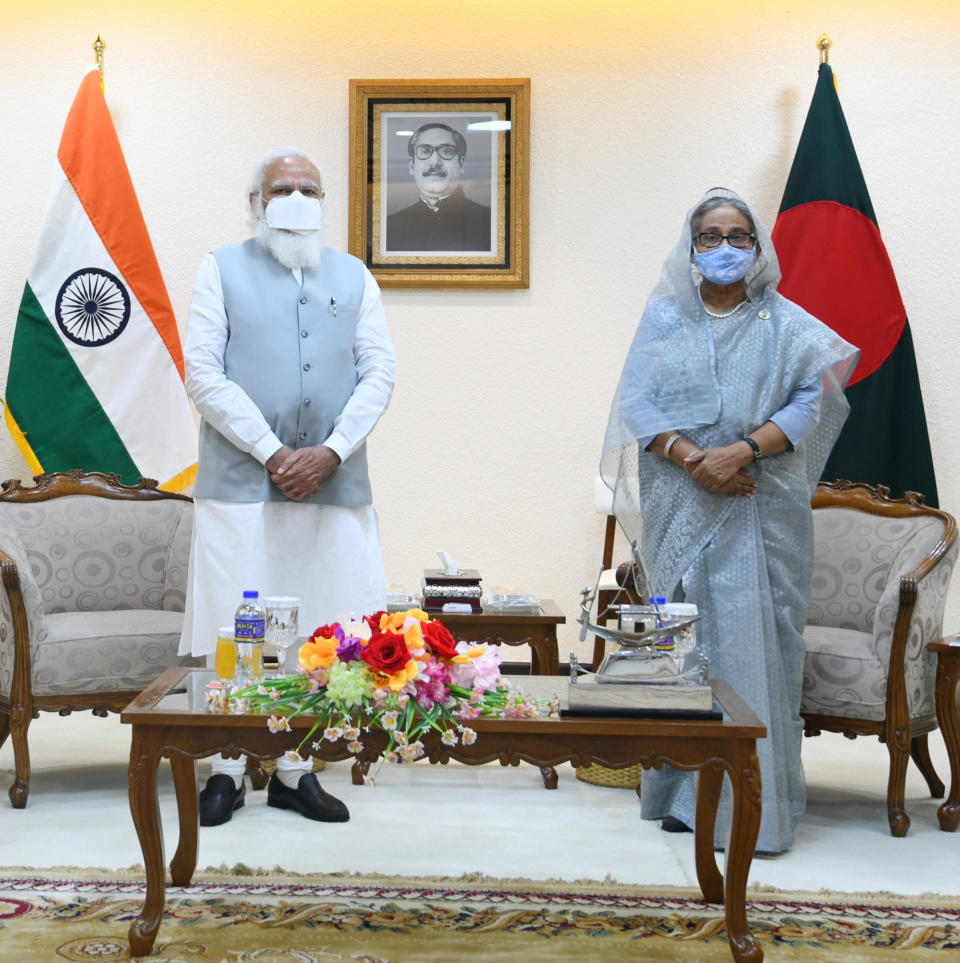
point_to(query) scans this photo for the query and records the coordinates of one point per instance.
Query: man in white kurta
(290, 365)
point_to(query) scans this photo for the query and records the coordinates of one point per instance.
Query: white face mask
(294, 213)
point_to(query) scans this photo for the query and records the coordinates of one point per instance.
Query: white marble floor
(451, 820)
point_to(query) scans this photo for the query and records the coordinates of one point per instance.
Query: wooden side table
(948, 675)
(536, 629)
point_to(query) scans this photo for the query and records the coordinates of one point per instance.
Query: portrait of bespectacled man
(431, 208)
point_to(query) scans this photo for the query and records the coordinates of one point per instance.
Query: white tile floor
(450, 820)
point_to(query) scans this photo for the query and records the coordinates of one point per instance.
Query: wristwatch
(757, 453)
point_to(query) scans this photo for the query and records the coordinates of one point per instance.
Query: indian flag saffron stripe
(96, 370)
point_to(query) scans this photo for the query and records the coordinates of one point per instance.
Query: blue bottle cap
(251, 595)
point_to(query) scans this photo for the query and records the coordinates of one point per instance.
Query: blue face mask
(725, 264)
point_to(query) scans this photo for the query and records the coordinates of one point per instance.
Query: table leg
(709, 784)
(184, 860)
(358, 770)
(145, 809)
(544, 654)
(549, 776)
(744, 828)
(948, 674)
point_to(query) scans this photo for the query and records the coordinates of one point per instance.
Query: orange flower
(399, 679)
(464, 658)
(318, 653)
(394, 621)
(413, 636)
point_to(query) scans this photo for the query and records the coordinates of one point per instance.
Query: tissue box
(439, 588)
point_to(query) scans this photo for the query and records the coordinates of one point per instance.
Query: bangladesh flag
(835, 266)
(96, 370)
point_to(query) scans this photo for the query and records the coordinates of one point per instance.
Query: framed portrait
(439, 181)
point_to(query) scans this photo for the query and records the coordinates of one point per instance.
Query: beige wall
(636, 109)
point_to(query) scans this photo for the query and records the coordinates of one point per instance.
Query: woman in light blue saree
(729, 403)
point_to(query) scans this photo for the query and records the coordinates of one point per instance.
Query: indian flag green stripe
(61, 420)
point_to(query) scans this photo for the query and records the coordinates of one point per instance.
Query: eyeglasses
(425, 151)
(737, 239)
(282, 190)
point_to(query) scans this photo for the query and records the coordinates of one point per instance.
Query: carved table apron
(168, 721)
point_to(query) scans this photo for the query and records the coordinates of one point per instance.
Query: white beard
(290, 249)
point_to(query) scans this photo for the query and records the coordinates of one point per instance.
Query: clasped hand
(300, 473)
(722, 470)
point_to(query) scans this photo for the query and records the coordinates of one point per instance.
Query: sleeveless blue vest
(290, 348)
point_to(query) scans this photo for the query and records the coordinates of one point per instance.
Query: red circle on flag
(835, 266)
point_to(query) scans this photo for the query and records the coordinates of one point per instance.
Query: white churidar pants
(326, 555)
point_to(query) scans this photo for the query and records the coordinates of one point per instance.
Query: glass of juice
(225, 662)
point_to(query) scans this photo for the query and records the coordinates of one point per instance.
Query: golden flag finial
(824, 43)
(99, 45)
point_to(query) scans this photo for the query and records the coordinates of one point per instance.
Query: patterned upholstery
(855, 594)
(91, 608)
(103, 581)
(881, 571)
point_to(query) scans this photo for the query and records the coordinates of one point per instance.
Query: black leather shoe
(670, 824)
(308, 799)
(219, 798)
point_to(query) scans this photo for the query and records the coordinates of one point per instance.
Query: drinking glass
(282, 625)
(225, 661)
(685, 640)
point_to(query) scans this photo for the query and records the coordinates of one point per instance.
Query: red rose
(374, 620)
(386, 652)
(326, 631)
(441, 643)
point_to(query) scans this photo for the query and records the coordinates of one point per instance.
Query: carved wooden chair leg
(896, 784)
(20, 719)
(920, 754)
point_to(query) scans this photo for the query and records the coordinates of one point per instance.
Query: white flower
(469, 736)
(332, 733)
(449, 737)
(278, 724)
(389, 721)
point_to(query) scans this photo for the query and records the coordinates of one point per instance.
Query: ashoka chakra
(93, 307)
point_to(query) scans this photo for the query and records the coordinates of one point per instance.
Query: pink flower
(476, 666)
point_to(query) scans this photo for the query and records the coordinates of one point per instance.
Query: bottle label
(250, 629)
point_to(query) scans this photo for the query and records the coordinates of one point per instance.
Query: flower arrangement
(400, 672)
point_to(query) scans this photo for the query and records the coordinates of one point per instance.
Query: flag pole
(99, 45)
(824, 43)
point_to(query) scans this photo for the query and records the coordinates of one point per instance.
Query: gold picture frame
(460, 220)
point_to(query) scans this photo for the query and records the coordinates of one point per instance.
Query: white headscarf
(670, 378)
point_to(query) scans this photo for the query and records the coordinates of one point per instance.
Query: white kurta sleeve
(375, 359)
(222, 403)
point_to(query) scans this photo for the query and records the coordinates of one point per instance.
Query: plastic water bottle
(249, 631)
(664, 645)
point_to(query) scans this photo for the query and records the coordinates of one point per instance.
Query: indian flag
(96, 370)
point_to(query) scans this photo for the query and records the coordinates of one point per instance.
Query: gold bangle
(671, 441)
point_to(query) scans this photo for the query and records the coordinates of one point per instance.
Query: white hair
(256, 179)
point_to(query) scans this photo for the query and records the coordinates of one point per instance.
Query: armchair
(94, 580)
(881, 571)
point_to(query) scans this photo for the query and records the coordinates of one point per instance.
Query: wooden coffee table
(169, 720)
(536, 629)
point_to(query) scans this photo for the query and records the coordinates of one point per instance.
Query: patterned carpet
(73, 915)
